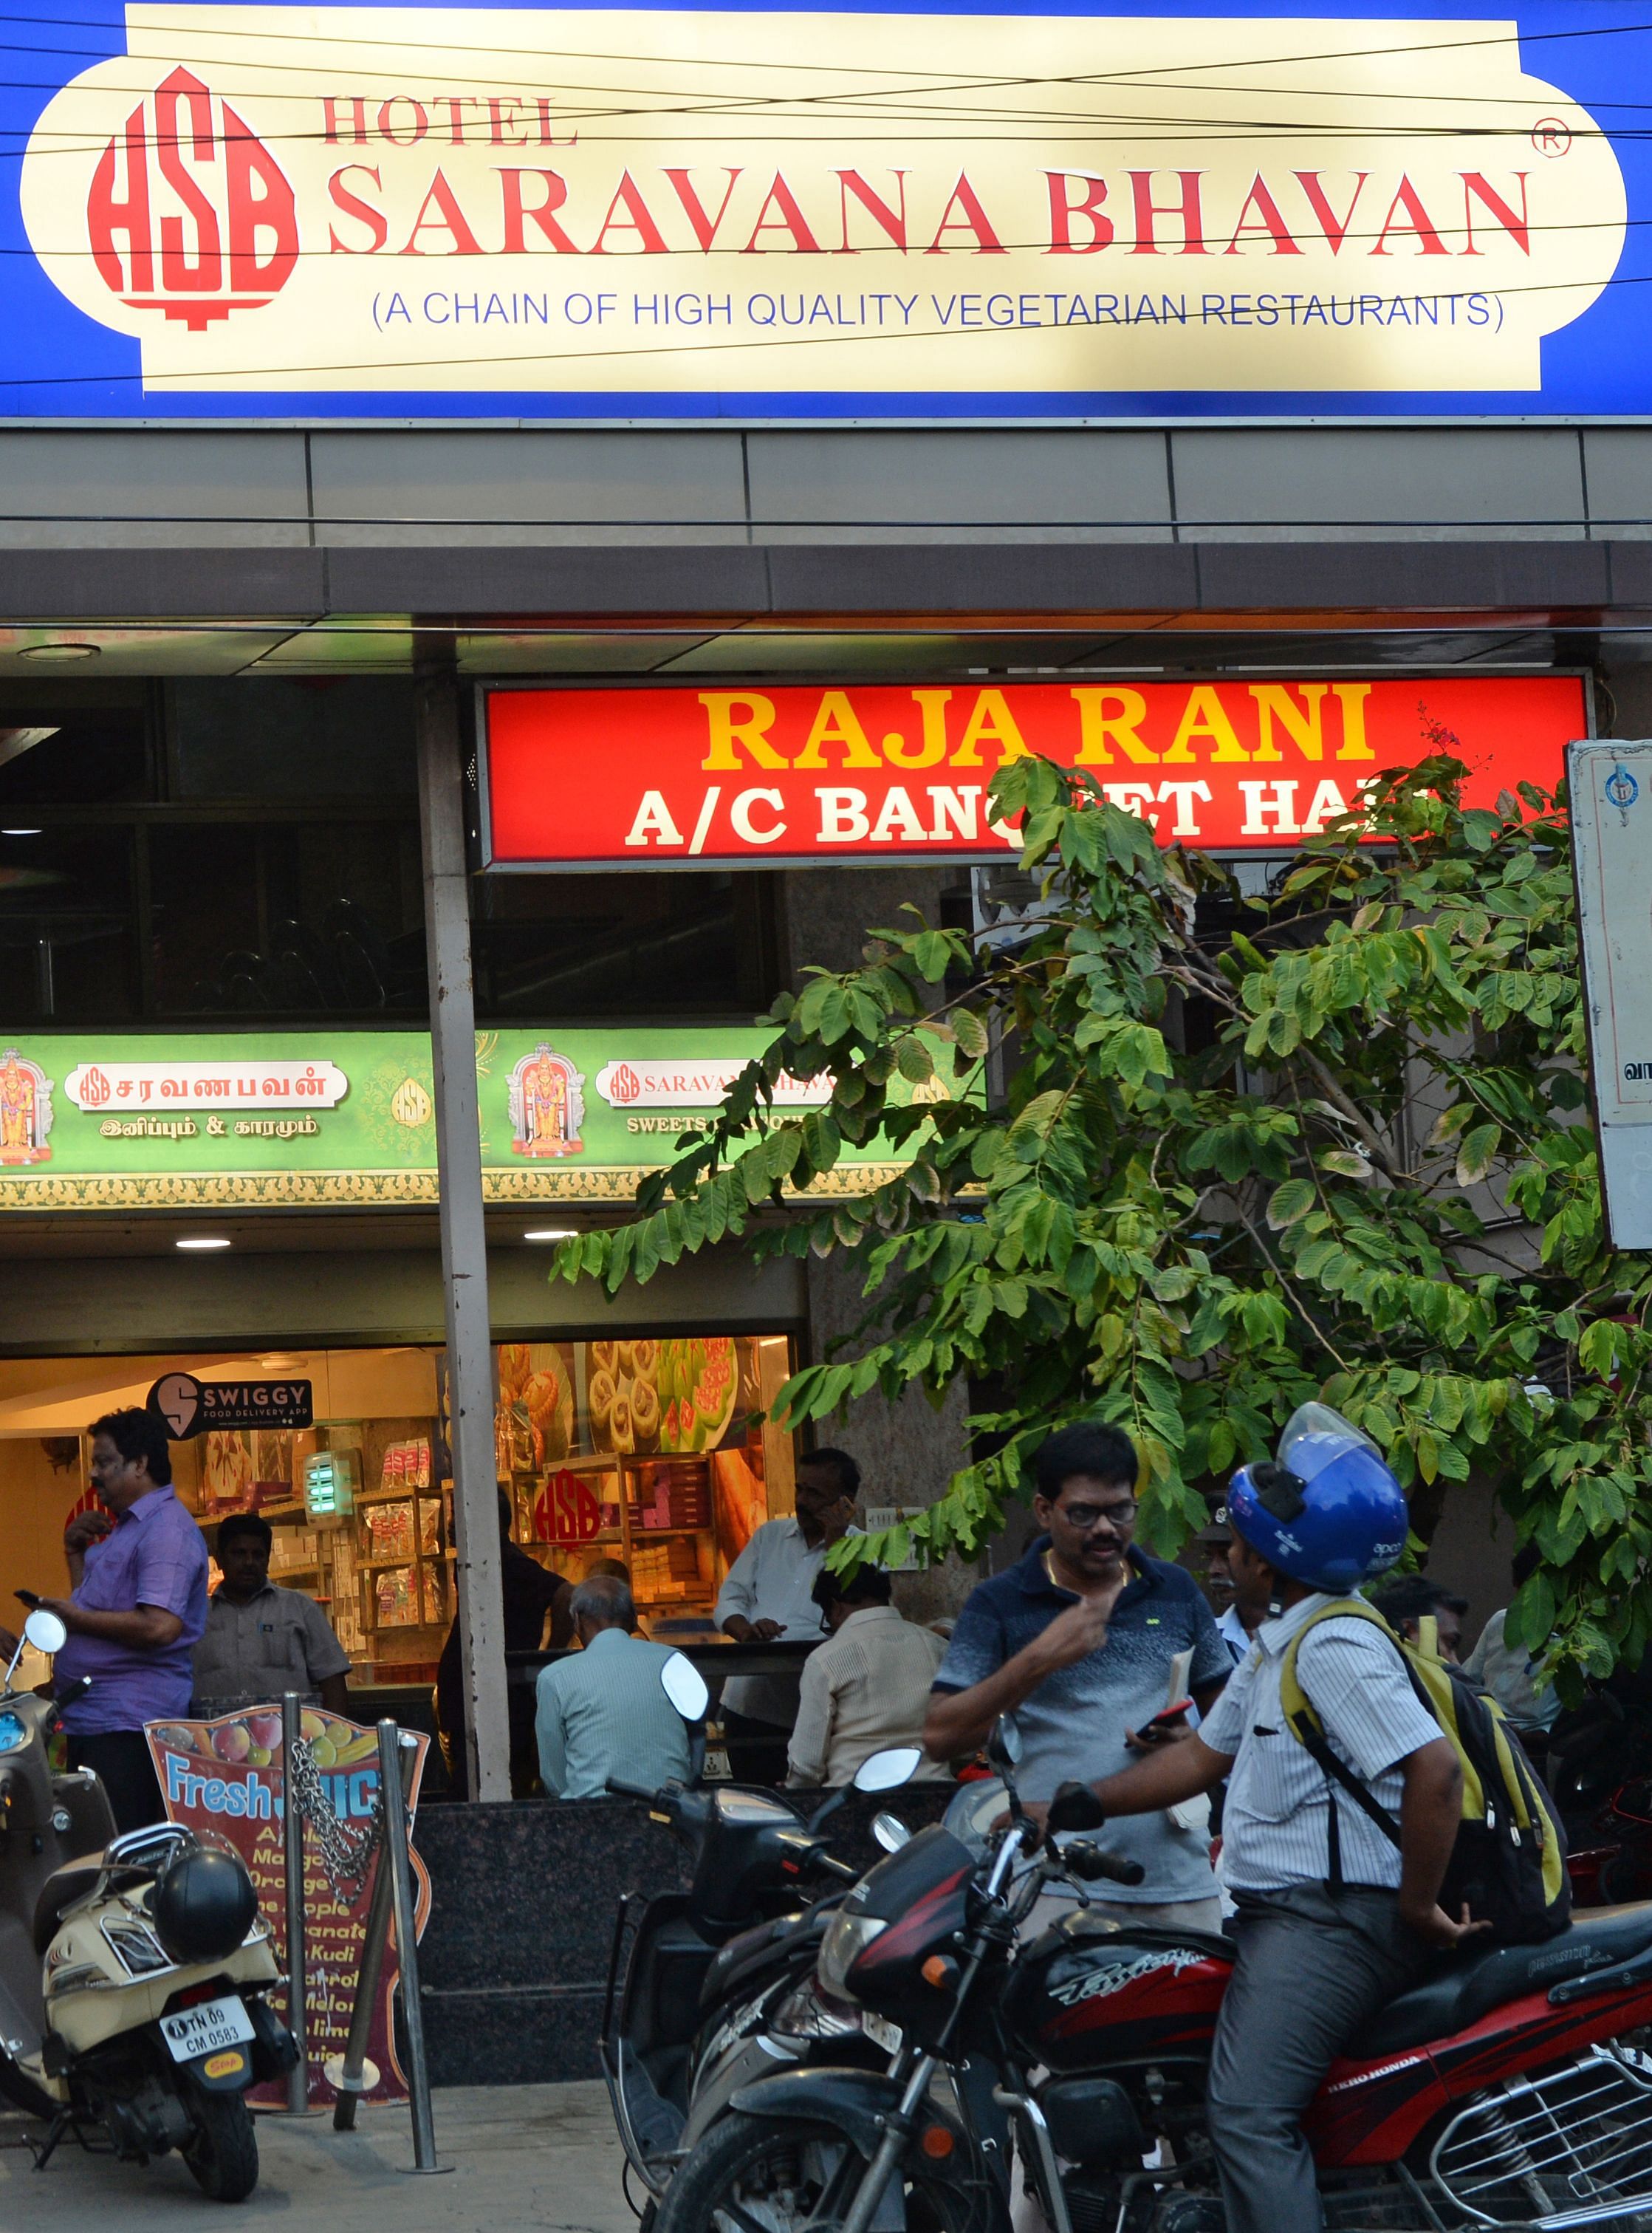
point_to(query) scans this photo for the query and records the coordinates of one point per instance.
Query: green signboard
(100, 1120)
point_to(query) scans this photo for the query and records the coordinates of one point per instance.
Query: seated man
(1410, 1600)
(602, 1713)
(869, 1689)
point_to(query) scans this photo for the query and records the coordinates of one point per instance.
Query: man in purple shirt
(134, 1615)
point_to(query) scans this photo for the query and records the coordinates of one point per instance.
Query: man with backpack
(1337, 1913)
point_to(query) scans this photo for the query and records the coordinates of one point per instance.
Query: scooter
(1510, 2089)
(134, 1970)
(693, 1982)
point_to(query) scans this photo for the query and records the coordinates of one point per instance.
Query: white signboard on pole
(1611, 785)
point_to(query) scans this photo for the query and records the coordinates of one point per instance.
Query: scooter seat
(59, 1894)
(1469, 1986)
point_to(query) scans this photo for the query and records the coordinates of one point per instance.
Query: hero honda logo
(189, 213)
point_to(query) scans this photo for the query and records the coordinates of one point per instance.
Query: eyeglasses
(1084, 1517)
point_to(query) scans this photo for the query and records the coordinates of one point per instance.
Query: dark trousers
(120, 1760)
(1312, 1968)
(756, 1751)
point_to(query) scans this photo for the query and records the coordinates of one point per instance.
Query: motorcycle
(694, 1990)
(1600, 1774)
(1507, 2090)
(134, 1970)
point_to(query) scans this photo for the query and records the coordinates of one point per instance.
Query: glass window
(69, 948)
(53, 759)
(287, 918)
(616, 945)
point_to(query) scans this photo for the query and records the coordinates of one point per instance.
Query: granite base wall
(513, 1965)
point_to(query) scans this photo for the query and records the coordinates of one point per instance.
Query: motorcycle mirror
(890, 1831)
(45, 1630)
(683, 1685)
(1004, 1745)
(887, 1771)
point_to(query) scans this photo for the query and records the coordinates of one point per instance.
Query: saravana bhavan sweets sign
(106, 1120)
(825, 211)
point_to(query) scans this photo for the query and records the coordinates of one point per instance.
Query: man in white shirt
(768, 1595)
(866, 1691)
(1333, 1918)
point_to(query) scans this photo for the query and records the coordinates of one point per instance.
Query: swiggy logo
(189, 213)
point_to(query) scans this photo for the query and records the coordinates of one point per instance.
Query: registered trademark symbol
(1550, 136)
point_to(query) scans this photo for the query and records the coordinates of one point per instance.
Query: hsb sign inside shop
(364, 202)
(609, 776)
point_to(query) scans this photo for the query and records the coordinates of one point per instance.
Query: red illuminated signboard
(616, 777)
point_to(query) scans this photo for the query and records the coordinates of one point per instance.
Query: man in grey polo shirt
(262, 1640)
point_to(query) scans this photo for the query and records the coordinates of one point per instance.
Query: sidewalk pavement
(527, 2160)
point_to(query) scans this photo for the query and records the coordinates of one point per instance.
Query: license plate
(881, 2034)
(206, 2028)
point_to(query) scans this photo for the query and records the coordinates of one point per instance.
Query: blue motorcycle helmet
(1327, 1512)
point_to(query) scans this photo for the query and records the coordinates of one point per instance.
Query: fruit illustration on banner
(223, 1780)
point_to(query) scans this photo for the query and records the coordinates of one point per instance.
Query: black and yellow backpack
(1509, 1862)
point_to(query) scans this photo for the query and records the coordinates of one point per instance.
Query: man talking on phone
(1079, 1641)
(136, 1612)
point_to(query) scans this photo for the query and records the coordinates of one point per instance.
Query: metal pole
(465, 1269)
(401, 1884)
(351, 2083)
(292, 1825)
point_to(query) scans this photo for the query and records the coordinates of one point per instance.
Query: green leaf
(1290, 1203)
(1477, 1153)
(971, 1033)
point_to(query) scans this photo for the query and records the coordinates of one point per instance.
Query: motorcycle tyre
(222, 2150)
(737, 2144)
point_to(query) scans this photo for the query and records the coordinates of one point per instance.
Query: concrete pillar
(465, 1267)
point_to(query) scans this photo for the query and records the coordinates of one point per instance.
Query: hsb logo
(625, 1085)
(96, 1089)
(207, 223)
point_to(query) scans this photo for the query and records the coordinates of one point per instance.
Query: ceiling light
(19, 833)
(281, 1360)
(552, 1233)
(59, 651)
(202, 1241)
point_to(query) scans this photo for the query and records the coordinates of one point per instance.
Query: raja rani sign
(610, 777)
(587, 209)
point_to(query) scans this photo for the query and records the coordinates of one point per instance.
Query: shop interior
(642, 1451)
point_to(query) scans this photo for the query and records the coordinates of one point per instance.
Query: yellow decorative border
(590, 1182)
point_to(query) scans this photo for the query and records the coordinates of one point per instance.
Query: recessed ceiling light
(281, 1360)
(552, 1233)
(59, 651)
(202, 1241)
(19, 833)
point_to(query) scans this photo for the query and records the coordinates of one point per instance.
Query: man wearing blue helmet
(1332, 1919)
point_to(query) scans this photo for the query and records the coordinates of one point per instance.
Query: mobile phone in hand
(1172, 1714)
(30, 1598)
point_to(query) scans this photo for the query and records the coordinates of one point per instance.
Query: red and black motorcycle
(1512, 2089)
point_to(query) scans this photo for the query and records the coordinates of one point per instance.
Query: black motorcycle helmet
(204, 1906)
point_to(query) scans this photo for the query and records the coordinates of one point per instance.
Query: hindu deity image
(547, 1104)
(25, 1109)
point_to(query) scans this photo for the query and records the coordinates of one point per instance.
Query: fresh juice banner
(223, 1778)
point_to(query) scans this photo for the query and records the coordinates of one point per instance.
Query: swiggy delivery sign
(1041, 211)
(614, 777)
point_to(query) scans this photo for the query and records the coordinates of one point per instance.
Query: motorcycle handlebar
(1081, 1858)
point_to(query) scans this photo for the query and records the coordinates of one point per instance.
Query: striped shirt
(1276, 1818)
(602, 1712)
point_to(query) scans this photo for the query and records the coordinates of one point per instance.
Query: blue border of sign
(1598, 52)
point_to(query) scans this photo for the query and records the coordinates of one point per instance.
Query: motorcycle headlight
(12, 1732)
(846, 1938)
(804, 2015)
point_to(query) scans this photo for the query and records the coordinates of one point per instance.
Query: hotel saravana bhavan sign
(610, 777)
(585, 210)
